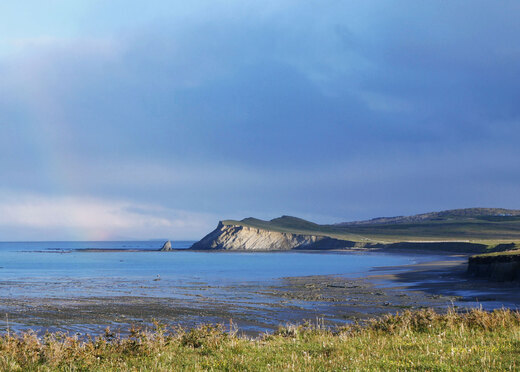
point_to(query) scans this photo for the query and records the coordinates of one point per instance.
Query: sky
(143, 120)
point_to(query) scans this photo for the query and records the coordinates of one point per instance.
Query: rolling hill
(477, 229)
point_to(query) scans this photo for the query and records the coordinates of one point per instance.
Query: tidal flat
(252, 307)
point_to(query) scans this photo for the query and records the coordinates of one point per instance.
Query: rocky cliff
(240, 237)
(500, 267)
(451, 231)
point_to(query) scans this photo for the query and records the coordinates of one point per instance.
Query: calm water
(61, 269)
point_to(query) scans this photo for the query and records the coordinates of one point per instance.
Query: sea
(83, 287)
(119, 268)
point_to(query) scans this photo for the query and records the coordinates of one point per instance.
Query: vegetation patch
(472, 230)
(423, 340)
(513, 254)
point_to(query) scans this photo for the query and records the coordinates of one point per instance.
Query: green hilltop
(488, 226)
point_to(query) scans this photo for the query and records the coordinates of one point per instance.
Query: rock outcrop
(239, 237)
(167, 246)
(502, 267)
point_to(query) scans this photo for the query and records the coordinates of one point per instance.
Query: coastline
(258, 307)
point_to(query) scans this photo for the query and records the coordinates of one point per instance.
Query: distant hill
(457, 214)
(471, 224)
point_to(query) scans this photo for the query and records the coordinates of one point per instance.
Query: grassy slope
(515, 252)
(423, 340)
(444, 226)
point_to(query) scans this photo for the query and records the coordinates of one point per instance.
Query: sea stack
(166, 246)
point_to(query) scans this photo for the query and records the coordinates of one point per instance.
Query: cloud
(92, 219)
(338, 111)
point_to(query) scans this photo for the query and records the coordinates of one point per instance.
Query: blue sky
(135, 120)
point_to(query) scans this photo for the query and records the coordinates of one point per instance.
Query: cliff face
(500, 268)
(238, 237)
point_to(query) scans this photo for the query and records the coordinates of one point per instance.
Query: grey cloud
(339, 111)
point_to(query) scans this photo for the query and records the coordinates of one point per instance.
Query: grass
(475, 233)
(512, 253)
(421, 340)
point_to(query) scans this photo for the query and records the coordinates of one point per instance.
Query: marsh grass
(420, 340)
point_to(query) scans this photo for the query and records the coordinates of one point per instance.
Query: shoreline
(386, 250)
(346, 250)
(258, 307)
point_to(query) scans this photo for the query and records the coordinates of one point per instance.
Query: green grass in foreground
(422, 340)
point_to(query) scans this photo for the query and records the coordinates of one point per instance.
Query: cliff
(504, 266)
(476, 230)
(242, 237)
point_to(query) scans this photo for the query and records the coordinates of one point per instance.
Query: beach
(255, 306)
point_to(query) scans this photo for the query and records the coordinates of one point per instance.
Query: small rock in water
(167, 246)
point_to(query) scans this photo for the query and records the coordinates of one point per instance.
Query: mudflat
(260, 307)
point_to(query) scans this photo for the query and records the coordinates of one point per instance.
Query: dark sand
(257, 308)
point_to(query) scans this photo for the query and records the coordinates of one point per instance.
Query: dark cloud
(338, 111)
